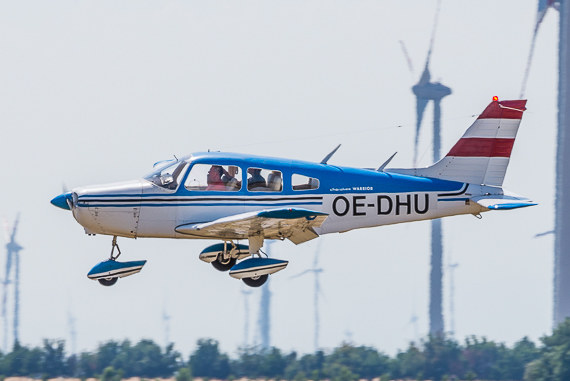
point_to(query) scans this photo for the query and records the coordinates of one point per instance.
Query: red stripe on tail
(482, 147)
(510, 110)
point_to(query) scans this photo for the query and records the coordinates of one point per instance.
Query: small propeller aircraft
(231, 197)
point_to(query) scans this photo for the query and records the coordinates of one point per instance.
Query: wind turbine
(414, 323)
(426, 91)
(246, 294)
(72, 331)
(166, 324)
(264, 320)
(12, 254)
(316, 271)
(561, 281)
(451, 270)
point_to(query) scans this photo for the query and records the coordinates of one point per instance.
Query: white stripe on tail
(482, 154)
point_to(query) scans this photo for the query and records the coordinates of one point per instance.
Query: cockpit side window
(168, 176)
(301, 182)
(264, 180)
(213, 177)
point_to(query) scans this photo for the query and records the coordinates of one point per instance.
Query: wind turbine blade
(432, 39)
(407, 57)
(541, 12)
(15, 228)
(543, 234)
(301, 274)
(421, 105)
(529, 61)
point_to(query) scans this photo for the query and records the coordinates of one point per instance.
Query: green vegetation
(434, 358)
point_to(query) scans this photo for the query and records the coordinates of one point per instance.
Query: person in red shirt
(214, 178)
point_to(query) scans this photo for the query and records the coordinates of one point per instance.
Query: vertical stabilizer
(482, 154)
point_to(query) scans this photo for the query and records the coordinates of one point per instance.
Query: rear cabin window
(301, 182)
(264, 180)
(213, 177)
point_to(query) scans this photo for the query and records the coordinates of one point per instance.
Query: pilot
(256, 180)
(229, 179)
(214, 178)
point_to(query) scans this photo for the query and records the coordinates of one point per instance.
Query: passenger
(214, 178)
(256, 180)
(274, 181)
(229, 179)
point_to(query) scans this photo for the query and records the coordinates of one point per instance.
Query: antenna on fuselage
(381, 168)
(324, 161)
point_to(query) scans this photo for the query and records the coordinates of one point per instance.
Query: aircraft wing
(293, 223)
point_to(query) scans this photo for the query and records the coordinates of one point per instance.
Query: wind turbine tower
(264, 322)
(166, 325)
(561, 300)
(246, 294)
(426, 91)
(562, 225)
(72, 332)
(316, 270)
(12, 255)
(451, 270)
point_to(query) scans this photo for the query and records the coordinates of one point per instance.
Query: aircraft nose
(62, 201)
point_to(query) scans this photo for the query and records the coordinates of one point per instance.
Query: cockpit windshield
(168, 176)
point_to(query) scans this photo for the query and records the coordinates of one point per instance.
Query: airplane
(231, 197)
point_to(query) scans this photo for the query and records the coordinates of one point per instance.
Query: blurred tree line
(434, 358)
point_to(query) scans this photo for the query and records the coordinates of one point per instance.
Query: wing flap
(293, 223)
(301, 236)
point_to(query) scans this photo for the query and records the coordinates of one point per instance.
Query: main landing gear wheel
(108, 281)
(223, 265)
(256, 281)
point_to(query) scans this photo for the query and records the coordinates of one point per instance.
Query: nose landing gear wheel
(221, 264)
(108, 281)
(256, 281)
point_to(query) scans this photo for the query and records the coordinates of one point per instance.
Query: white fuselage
(140, 209)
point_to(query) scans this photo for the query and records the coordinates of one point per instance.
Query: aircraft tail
(482, 154)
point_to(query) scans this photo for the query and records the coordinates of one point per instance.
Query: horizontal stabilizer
(503, 202)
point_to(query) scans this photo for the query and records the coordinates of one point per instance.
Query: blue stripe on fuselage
(195, 204)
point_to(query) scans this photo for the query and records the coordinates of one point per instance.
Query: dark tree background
(435, 358)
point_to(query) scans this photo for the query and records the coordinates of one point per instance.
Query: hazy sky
(97, 91)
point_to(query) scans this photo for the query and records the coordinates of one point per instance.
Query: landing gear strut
(111, 280)
(223, 264)
(108, 272)
(115, 244)
(223, 256)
